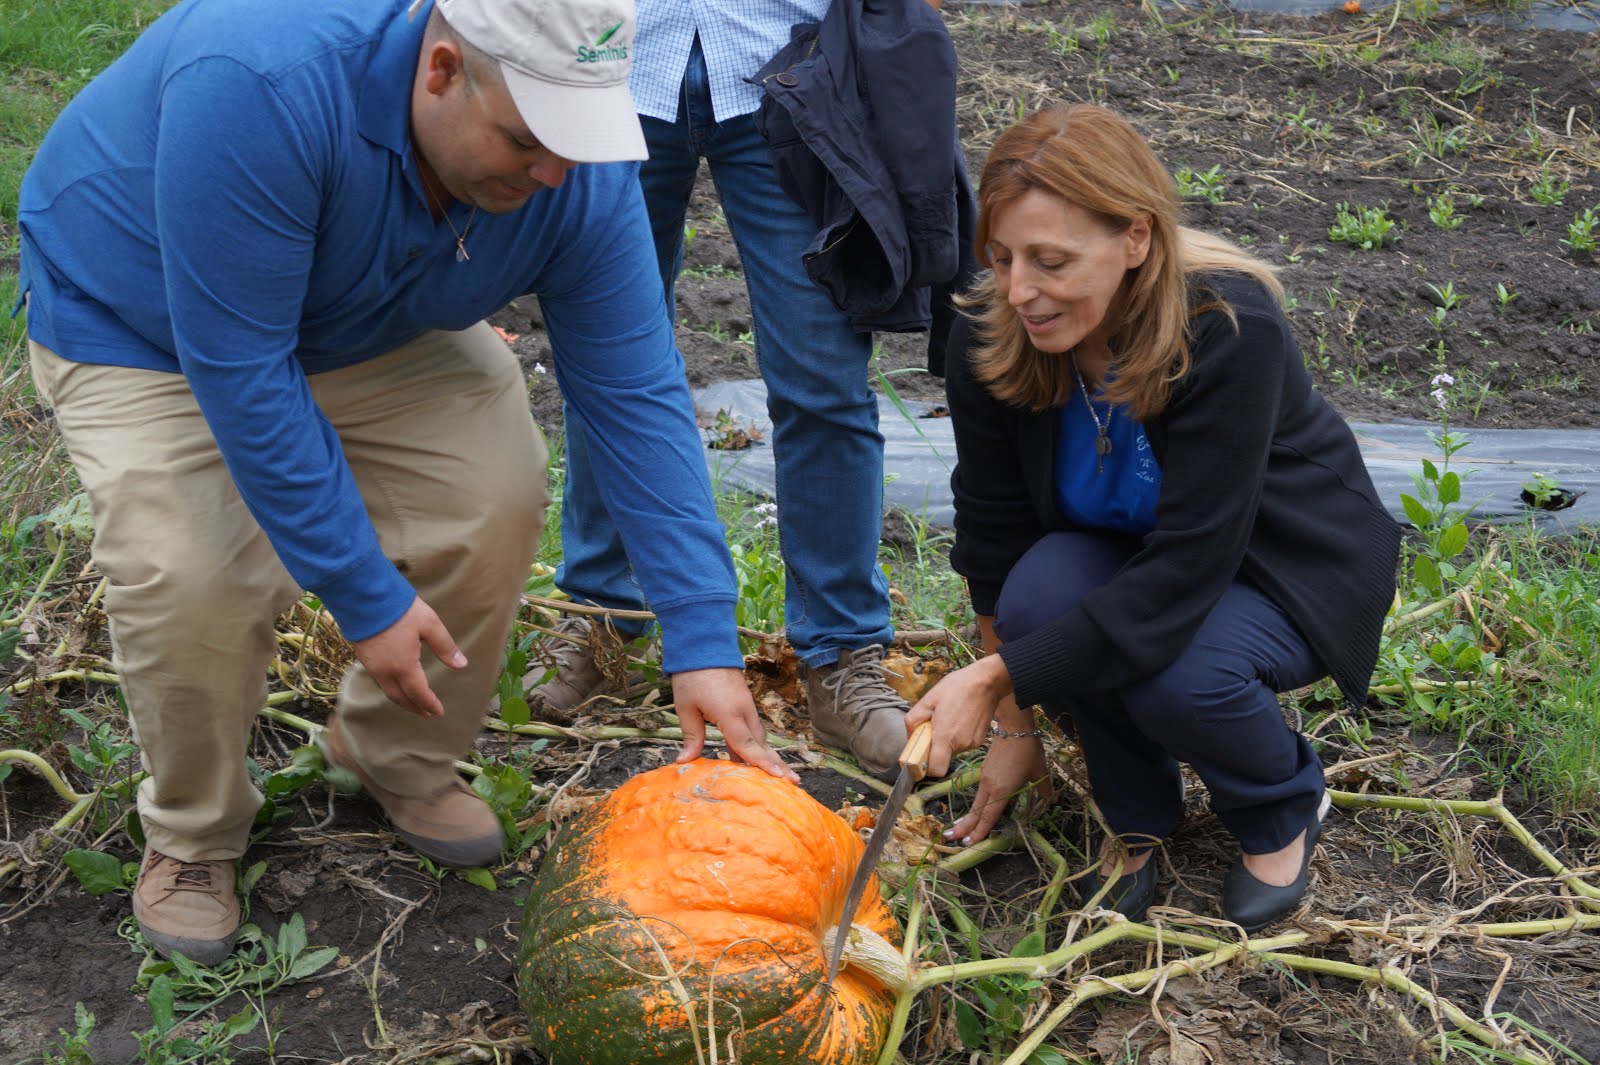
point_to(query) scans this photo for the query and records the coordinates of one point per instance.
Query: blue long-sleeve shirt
(236, 199)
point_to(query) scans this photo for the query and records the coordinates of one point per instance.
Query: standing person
(1161, 523)
(690, 84)
(257, 252)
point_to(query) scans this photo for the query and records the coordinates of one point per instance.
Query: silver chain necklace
(459, 234)
(1102, 441)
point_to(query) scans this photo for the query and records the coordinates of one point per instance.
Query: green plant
(1173, 74)
(74, 1045)
(1308, 126)
(1432, 510)
(1504, 295)
(1446, 299)
(1442, 211)
(1581, 231)
(1548, 189)
(1200, 185)
(1371, 125)
(160, 1045)
(1541, 489)
(1365, 228)
(1437, 140)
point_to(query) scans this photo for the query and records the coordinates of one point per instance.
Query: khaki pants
(453, 473)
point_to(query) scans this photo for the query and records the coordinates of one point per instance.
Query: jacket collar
(383, 112)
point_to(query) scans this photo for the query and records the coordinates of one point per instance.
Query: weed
(1172, 73)
(1541, 489)
(1433, 509)
(1504, 295)
(1200, 185)
(1309, 126)
(1581, 235)
(1548, 189)
(1365, 228)
(1446, 295)
(1442, 211)
(1371, 125)
(1436, 140)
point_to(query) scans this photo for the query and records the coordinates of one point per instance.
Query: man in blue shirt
(257, 253)
(690, 85)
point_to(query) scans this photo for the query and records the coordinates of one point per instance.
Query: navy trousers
(1215, 707)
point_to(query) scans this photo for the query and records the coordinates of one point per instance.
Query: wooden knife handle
(914, 759)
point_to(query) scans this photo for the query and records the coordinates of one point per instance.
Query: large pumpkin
(694, 904)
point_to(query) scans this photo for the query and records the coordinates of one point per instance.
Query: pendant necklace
(459, 234)
(1102, 441)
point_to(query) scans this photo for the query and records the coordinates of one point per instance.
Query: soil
(1300, 115)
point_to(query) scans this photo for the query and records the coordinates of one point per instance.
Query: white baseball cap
(566, 65)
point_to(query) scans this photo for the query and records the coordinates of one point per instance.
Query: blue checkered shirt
(737, 36)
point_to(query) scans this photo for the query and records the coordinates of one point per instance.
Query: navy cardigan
(1261, 481)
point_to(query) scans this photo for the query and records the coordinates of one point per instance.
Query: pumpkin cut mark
(683, 919)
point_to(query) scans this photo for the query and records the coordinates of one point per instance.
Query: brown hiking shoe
(452, 826)
(187, 908)
(567, 673)
(852, 706)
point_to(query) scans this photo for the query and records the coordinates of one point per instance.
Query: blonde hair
(1092, 157)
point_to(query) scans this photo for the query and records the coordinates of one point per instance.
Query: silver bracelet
(1007, 734)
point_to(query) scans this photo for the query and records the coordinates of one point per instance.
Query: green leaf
(514, 711)
(292, 937)
(251, 877)
(1029, 946)
(240, 1024)
(969, 1027)
(1416, 513)
(1450, 488)
(24, 530)
(1047, 1056)
(1427, 571)
(312, 961)
(98, 872)
(74, 516)
(160, 1001)
(481, 877)
(606, 36)
(5, 771)
(1429, 470)
(1453, 541)
(9, 639)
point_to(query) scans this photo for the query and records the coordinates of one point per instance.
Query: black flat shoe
(1253, 904)
(1131, 894)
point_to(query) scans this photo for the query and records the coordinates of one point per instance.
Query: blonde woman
(1162, 525)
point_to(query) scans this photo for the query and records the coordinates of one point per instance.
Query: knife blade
(913, 767)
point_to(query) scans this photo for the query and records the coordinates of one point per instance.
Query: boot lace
(858, 687)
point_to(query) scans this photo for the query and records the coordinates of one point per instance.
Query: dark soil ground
(1300, 115)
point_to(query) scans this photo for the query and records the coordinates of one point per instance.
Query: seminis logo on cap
(565, 63)
(600, 52)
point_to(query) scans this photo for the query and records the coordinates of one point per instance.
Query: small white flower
(766, 522)
(765, 508)
(1439, 397)
(538, 367)
(1442, 379)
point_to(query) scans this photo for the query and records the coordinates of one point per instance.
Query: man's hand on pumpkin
(721, 697)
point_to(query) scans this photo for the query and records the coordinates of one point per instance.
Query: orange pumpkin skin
(711, 884)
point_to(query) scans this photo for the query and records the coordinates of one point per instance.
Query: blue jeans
(1215, 706)
(825, 439)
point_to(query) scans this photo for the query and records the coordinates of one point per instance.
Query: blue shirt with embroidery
(236, 199)
(1116, 491)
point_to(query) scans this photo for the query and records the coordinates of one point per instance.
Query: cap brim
(586, 124)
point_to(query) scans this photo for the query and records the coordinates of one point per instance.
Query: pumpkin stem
(873, 956)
